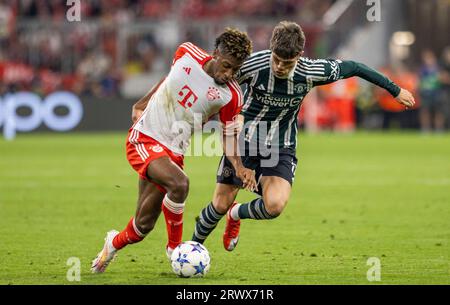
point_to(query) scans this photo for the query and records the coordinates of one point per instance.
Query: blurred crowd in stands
(85, 57)
(348, 103)
(41, 51)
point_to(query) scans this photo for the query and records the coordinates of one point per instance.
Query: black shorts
(284, 167)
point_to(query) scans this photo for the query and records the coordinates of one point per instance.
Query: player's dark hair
(235, 43)
(288, 40)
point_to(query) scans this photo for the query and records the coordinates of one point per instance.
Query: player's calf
(130, 235)
(173, 214)
(276, 192)
(255, 209)
(145, 223)
(115, 241)
(207, 221)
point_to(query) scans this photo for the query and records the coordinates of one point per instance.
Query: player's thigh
(224, 196)
(148, 206)
(276, 192)
(167, 173)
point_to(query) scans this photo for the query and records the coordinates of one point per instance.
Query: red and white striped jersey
(188, 97)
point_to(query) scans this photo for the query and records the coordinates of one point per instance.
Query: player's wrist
(238, 166)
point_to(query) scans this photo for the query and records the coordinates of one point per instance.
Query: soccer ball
(190, 259)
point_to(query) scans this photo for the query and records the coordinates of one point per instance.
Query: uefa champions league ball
(190, 259)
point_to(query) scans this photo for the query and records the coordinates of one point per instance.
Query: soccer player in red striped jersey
(198, 85)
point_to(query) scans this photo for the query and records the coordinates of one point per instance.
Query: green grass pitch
(354, 197)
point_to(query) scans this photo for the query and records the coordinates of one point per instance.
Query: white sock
(234, 213)
(174, 207)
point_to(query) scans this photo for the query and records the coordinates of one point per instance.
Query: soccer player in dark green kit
(277, 80)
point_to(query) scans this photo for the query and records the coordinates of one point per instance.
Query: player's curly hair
(235, 43)
(288, 39)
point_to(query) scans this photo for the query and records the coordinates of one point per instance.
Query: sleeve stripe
(197, 49)
(239, 93)
(312, 76)
(312, 68)
(260, 53)
(254, 67)
(248, 74)
(254, 59)
(196, 57)
(237, 90)
(313, 61)
(311, 65)
(310, 72)
(193, 50)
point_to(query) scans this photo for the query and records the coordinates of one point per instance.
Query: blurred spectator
(445, 82)
(41, 51)
(7, 19)
(431, 110)
(392, 110)
(338, 105)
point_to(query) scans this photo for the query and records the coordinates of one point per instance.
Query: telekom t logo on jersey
(188, 97)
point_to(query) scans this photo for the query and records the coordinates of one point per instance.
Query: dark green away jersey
(272, 104)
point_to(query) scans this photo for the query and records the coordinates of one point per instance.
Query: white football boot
(169, 252)
(107, 254)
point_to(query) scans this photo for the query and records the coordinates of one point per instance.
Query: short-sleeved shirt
(188, 96)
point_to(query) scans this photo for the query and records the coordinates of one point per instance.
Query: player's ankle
(234, 212)
(172, 245)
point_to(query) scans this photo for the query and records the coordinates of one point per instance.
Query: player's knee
(275, 206)
(178, 188)
(221, 207)
(222, 202)
(183, 186)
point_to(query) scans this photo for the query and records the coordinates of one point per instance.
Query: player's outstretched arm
(139, 107)
(352, 68)
(336, 69)
(231, 150)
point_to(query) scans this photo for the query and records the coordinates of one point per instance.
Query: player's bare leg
(147, 212)
(223, 198)
(148, 207)
(170, 176)
(276, 192)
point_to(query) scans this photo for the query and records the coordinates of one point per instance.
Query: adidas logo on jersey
(261, 87)
(187, 69)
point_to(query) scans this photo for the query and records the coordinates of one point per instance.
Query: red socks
(129, 235)
(173, 213)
